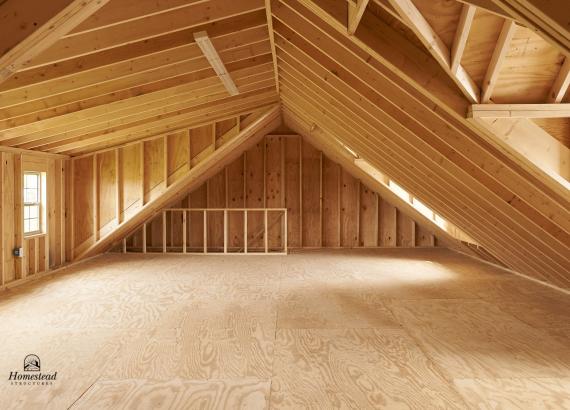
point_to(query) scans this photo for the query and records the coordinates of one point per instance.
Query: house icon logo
(31, 363)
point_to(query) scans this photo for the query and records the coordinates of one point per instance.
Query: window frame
(39, 204)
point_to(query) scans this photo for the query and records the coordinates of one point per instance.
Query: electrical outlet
(19, 252)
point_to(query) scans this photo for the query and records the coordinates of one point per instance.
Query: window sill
(34, 235)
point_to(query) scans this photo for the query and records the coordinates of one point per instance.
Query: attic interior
(285, 204)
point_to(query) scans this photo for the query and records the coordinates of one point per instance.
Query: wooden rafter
(519, 111)
(36, 27)
(461, 35)
(147, 28)
(269, 17)
(497, 59)
(193, 178)
(549, 18)
(436, 47)
(365, 118)
(215, 61)
(560, 86)
(489, 6)
(355, 13)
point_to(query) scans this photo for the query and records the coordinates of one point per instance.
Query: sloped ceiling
(396, 109)
(132, 71)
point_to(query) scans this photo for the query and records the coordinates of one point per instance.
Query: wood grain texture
(177, 394)
(345, 328)
(366, 368)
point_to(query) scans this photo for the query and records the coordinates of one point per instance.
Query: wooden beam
(147, 28)
(497, 59)
(560, 86)
(29, 27)
(489, 6)
(519, 111)
(272, 41)
(355, 13)
(461, 35)
(215, 61)
(431, 40)
(197, 175)
(549, 18)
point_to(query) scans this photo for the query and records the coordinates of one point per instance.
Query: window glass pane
(34, 225)
(31, 196)
(26, 226)
(26, 212)
(31, 181)
(34, 211)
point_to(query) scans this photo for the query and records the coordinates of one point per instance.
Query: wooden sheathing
(337, 209)
(95, 88)
(409, 123)
(153, 172)
(47, 250)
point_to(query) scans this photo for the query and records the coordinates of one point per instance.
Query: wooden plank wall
(327, 206)
(41, 252)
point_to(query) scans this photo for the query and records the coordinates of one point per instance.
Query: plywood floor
(320, 329)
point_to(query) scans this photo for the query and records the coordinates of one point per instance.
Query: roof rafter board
(109, 64)
(136, 112)
(205, 169)
(126, 10)
(23, 38)
(510, 252)
(514, 175)
(25, 114)
(260, 100)
(489, 6)
(461, 35)
(436, 47)
(269, 17)
(123, 75)
(225, 28)
(426, 85)
(355, 12)
(329, 106)
(548, 18)
(215, 61)
(519, 111)
(125, 107)
(55, 139)
(145, 29)
(499, 54)
(413, 163)
(560, 86)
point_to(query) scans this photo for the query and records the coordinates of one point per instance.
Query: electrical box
(19, 252)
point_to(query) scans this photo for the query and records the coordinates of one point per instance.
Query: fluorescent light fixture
(213, 57)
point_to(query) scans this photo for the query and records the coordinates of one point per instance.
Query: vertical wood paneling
(331, 203)
(274, 194)
(235, 199)
(349, 194)
(311, 194)
(255, 193)
(368, 220)
(292, 190)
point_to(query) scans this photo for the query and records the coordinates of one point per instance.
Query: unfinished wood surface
(422, 328)
(337, 209)
(463, 171)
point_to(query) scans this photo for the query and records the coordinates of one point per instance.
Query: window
(32, 203)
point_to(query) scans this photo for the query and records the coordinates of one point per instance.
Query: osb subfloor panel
(396, 329)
